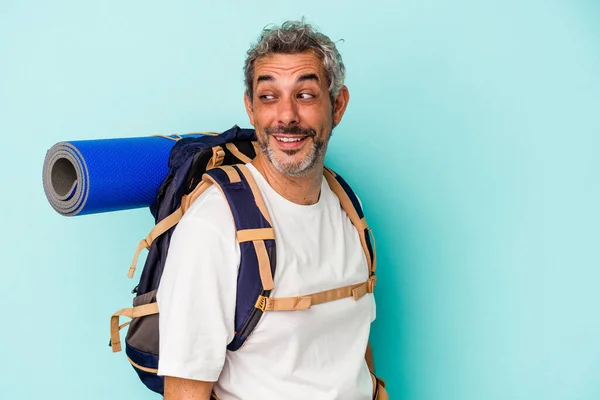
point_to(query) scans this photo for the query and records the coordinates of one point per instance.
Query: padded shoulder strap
(352, 207)
(252, 220)
(256, 237)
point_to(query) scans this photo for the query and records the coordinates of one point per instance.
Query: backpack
(196, 163)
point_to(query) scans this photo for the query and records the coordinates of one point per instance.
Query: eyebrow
(301, 78)
(308, 77)
(264, 78)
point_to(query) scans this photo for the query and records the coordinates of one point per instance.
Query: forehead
(281, 65)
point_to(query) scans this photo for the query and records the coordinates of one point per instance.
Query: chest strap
(305, 302)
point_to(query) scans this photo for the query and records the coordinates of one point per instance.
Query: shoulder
(204, 237)
(209, 212)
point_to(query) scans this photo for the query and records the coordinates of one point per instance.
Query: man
(295, 95)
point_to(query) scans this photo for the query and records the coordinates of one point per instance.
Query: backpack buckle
(261, 303)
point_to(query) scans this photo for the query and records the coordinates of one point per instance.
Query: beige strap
(236, 152)
(305, 302)
(379, 392)
(366, 287)
(189, 199)
(176, 138)
(135, 312)
(217, 158)
(166, 224)
(283, 304)
(360, 224)
(375, 383)
(231, 172)
(256, 146)
(143, 245)
(256, 192)
(264, 265)
(204, 133)
(250, 235)
(382, 393)
(158, 230)
(374, 261)
(345, 201)
(145, 369)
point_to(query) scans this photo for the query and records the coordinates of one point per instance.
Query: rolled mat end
(95, 176)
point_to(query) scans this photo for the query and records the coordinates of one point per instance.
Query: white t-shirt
(316, 354)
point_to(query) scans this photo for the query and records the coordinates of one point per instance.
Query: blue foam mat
(96, 176)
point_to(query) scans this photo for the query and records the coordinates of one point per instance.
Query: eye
(266, 97)
(306, 96)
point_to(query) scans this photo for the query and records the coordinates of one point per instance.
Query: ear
(249, 109)
(339, 106)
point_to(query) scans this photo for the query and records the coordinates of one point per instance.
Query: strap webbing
(359, 223)
(145, 369)
(374, 261)
(305, 302)
(217, 158)
(379, 392)
(166, 224)
(135, 312)
(158, 230)
(256, 192)
(231, 172)
(236, 152)
(187, 200)
(264, 265)
(249, 235)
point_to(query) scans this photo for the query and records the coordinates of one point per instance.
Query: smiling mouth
(290, 144)
(285, 139)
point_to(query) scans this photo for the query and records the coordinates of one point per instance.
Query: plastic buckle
(261, 303)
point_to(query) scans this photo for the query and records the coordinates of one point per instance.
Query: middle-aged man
(295, 96)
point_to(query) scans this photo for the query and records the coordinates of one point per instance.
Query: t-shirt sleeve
(197, 293)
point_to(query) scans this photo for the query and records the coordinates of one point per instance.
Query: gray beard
(303, 167)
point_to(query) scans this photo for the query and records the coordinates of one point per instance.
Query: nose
(287, 112)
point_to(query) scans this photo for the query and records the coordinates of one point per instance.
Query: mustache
(291, 130)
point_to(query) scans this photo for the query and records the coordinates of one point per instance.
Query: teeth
(289, 140)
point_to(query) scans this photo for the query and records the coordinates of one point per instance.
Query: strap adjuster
(261, 303)
(371, 284)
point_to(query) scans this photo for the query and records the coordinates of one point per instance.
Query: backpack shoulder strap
(352, 207)
(256, 237)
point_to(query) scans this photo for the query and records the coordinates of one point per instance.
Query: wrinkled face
(291, 111)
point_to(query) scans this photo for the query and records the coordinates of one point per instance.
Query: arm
(187, 389)
(196, 299)
(369, 358)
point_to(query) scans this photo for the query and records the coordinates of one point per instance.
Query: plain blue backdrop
(472, 137)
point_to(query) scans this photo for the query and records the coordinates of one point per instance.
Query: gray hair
(297, 37)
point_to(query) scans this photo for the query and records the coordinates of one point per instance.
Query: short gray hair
(296, 37)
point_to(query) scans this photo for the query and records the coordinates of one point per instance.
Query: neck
(303, 189)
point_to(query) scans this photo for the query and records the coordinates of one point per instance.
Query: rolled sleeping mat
(96, 176)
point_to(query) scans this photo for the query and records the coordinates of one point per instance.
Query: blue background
(472, 136)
